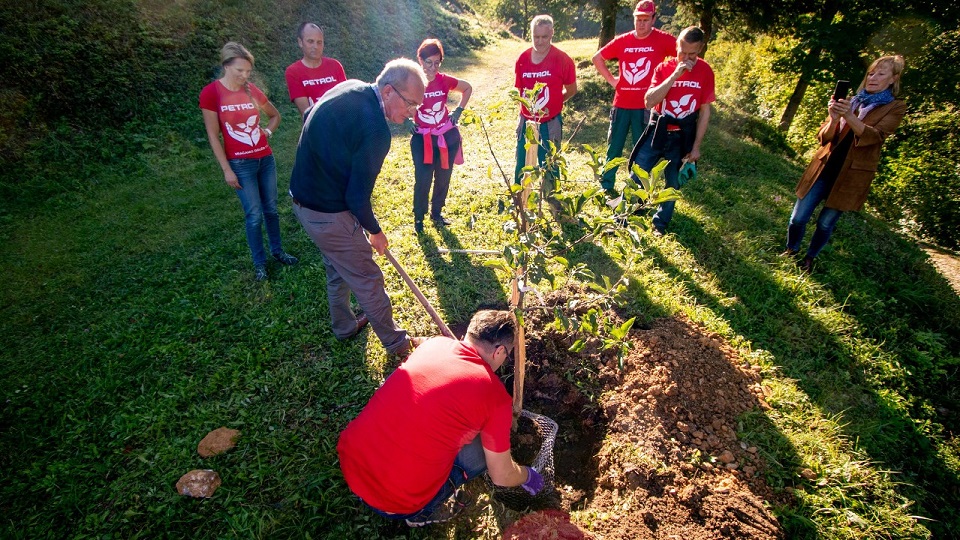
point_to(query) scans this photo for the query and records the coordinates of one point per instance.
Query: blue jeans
(802, 212)
(258, 180)
(647, 157)
(469, 464)
(622, 121)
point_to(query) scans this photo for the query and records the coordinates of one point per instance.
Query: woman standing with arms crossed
(436, 137)
(844, 167)
(231, 108)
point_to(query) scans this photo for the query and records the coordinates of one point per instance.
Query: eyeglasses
(412, 105)
(431, 63)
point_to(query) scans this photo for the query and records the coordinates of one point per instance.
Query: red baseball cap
(645, 7)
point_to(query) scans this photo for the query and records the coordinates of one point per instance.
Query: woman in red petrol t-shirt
(231, 108)
(436, 142)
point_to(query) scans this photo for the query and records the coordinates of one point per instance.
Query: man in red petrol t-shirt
(309, 78)
(637, 54)
(442, 418)
(543, 63)
(681, 90)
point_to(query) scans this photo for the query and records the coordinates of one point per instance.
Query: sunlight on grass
(131, 326)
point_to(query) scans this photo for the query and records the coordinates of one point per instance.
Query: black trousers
(434, 173)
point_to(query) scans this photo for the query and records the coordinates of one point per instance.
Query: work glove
(534, 482)
(687, 173)
(410, 125)
(455, 115)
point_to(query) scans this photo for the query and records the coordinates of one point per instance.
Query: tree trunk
(809, 65)
(706, 24)
(608, 20)
(798, 92)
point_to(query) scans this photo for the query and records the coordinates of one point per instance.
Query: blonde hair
(233, 50)
(896, 65)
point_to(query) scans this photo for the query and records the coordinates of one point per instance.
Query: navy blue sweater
(344, 141)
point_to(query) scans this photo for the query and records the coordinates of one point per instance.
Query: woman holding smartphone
(844, 166)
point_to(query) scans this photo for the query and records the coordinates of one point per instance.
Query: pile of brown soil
(649, 449)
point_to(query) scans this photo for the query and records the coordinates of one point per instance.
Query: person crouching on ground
(442, 418)
(436, 142)
(844, 167)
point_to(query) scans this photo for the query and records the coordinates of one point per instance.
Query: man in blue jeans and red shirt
(442, 418)
(681, 91)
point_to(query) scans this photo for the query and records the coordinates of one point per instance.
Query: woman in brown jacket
(844, 167)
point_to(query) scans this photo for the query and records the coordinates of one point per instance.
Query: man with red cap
(637, 54)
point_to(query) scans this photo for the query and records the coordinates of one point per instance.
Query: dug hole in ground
(645, 451)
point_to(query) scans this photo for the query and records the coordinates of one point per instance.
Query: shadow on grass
(464, 285)
(885, 287)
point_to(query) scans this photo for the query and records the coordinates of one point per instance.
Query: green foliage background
(87, 83)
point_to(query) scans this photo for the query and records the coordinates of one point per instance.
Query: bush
(919, 177)
(88, 82)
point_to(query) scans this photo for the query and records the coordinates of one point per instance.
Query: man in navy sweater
(341, 151)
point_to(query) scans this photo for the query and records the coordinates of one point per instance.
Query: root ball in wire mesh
(517, 498)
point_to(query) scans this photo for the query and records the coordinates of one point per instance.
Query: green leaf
(577, 346)
(621, 331)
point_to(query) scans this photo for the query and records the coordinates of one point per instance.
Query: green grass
(131, 326)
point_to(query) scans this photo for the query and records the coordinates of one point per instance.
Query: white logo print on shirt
(540, 105)
(247, 132)
(679, 108)
(433, 115)
(635, 72)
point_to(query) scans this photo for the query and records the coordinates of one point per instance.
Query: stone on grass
(218, 441)
(199, 483)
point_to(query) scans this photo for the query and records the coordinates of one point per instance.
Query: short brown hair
(494, 327)
(430, 47)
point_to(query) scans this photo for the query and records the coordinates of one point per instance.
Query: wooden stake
(516, 300)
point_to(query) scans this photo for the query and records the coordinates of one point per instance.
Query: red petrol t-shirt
(239, 118)
(433, 110)
(399, 451)
(555, 71)
(694, 89)
(313, 83)
(637, 59)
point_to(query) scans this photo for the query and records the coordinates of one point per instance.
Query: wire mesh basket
(517, 498)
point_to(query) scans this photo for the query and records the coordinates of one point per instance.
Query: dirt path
(946, 262)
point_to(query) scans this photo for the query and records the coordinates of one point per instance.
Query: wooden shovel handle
(416, 292)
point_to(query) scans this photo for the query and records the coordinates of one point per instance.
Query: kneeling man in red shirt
(442, 418)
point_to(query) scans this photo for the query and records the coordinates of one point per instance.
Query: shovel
(416, 292)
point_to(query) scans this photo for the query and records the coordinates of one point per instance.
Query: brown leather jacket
(860, 167)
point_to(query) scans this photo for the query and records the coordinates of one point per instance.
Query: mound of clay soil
(649, 449)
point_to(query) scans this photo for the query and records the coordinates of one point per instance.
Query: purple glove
(534, 482)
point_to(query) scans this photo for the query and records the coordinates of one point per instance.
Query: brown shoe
(362, 321)
(411, 344)
(806, 265)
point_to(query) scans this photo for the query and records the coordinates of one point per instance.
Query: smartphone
(841, 90)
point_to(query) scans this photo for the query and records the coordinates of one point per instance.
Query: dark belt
(301, 205)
